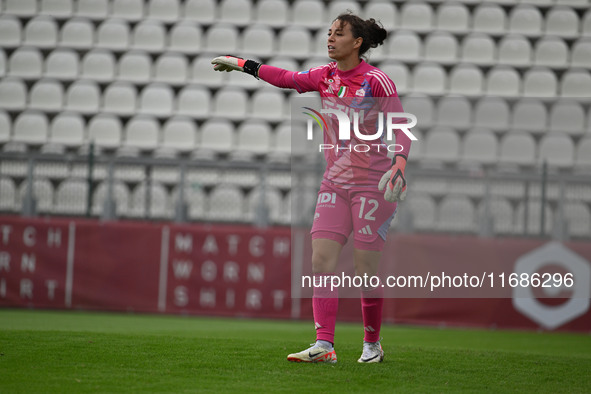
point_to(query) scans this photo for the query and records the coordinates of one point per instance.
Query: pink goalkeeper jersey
(360, 89)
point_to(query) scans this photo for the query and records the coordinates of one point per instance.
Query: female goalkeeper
(352, 179)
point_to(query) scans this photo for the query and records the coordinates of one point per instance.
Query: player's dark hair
(372, 31)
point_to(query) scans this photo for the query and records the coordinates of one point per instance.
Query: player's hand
(228, 63)
(394, 181)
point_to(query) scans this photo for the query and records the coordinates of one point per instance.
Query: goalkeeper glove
(229, 63)
(394, 181)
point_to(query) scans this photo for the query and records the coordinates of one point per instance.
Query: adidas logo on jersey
(366, 230)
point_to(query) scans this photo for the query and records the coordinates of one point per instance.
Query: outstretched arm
(273, 75)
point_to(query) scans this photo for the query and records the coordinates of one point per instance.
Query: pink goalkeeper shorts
(359, 210)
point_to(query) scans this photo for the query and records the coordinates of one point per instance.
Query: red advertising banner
(243, 271)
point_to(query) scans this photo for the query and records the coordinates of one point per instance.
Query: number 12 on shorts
(373, 206)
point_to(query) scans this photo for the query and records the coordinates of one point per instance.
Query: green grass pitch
(76, 352)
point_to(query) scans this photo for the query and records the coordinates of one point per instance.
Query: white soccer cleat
(372, 353)
(314, 354)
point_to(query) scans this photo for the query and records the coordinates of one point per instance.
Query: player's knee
(323, 262)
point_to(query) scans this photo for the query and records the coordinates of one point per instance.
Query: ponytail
(371, 31)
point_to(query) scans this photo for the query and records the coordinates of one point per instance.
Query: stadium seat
(268, 104)
(456, 214)
(195, 198)
(10, 31)
(406, 45)
(422, 107)
(530, 115)
(25, 63)
(71, 197)
(479, 49)
(268, 202)
(62, 64)
(417, 17)
(236, 12)
(257, 40)
(281, 137)
(399, 74)
(5, 126)
(30, 127)
(336, 8)
(587, 24)
(576, 83)
(492, 113)
(417, 146)
(13, 94)
(149, 36)
(41, 32)
(83, 96)
(453, 17)
(558, 150)
(221, 38)
(43, 192)
(50, 164)
(185, 37)
(254, 136)
(480, 146)
(526, 19)
(59, 9)
(583, 156)
(540, 82)
(231, 103)
(562, 22)
(489, 18)
(517, 148)
(171, 68)
(567, 116)
(17, 168)
(143, 132)
(98, 65)
(131, 10)
(581, 53)
(179, 133)
(272, 13)
(294, 42)
(385, 12)
(159, 205)
(578, 219)
(441, 47)
(454, 111)
(46, 95)
(503, 81)
(77, 33)
(423, 210)
(105, 131)
(201, 11)
(502, 214)
(466, 79)
(113, 34)
(515, 50)
(120, 98)
(226, 203)
(135, 67)
(217, 135)
(120, 194)
(534, 222)
(441, 146)
(551, 52)
(576, 4)
(167, 11)
(2, 63)
(68, 129)
(194, 101)
(309, 13)
(429, 78)
(93, 9)
(21, 8)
